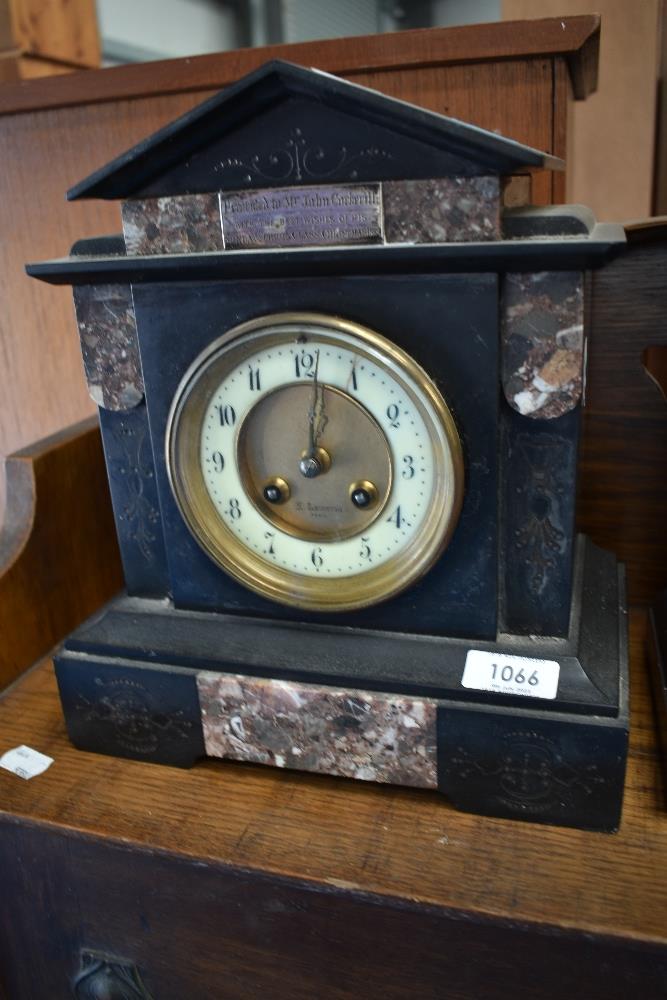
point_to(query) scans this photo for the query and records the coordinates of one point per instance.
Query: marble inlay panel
(178, 224)
(543, 342)
(448, 210)
(354, 734)
(445, 210)
(108, 332)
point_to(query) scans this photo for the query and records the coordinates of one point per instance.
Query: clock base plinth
(146, 681)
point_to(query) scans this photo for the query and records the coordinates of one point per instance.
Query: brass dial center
(318, 501)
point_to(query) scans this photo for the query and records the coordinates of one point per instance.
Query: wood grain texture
(59, 559)
(411, 846)
(46, 152)
(623, 485)
(559, 122)
(575, 38)
(205, 930)
(61, 30)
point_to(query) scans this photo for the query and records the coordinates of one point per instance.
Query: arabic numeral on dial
(365, 551)
(408, 467)
(218, 461)
(316, 557)
(253, 377)
(397, 518)
(226, 415)
(269, 537)
(234, 510)
(303, 365)
(392, 415)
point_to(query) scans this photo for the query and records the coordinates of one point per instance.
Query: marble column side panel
(108, 332)
(446, 210)
(543, 342)
(178, 224)
(354, 734)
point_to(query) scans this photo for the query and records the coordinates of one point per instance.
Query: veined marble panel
(355, 734)
(543, 342)
(108, 332)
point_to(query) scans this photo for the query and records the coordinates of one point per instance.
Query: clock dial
(315, 461)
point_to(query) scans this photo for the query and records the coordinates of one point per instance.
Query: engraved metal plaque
(336, 215)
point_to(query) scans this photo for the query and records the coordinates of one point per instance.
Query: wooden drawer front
(198, 931)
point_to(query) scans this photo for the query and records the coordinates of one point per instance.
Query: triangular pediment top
(261, 113)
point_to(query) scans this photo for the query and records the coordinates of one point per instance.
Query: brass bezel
(287, 587)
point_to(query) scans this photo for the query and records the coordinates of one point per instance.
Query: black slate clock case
(515, 579)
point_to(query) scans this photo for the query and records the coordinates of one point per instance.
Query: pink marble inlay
(355, 734)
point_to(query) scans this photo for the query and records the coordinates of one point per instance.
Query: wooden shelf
(400, 848)
(574, 38)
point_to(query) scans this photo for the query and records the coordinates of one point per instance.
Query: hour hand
(314, 459)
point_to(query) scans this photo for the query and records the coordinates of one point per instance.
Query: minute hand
(317, 418)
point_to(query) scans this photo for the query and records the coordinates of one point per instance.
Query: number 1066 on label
(523, 675)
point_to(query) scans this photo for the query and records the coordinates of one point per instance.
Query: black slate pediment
(286, 125)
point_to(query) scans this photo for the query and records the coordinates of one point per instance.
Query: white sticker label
(505, 674)
(25, 762)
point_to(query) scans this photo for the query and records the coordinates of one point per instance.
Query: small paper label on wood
(25, 762)
(336, 215)
(505, 674)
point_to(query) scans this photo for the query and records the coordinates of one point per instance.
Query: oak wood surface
(575, 38)
(342, 834)
(59, 557)
(46, 151)
(207, 931)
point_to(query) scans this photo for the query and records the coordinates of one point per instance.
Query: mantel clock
(340, 389)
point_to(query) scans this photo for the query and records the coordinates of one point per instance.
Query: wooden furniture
(513, 77)
(46, 39)
(623, 454)
(59, 556)
(234, 881)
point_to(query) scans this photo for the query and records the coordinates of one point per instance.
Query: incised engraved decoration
(541, 539)
(298, 159)
(134, 469)
(126, 706)
(530, 771)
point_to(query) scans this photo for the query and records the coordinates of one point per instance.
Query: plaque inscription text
(311, 216)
